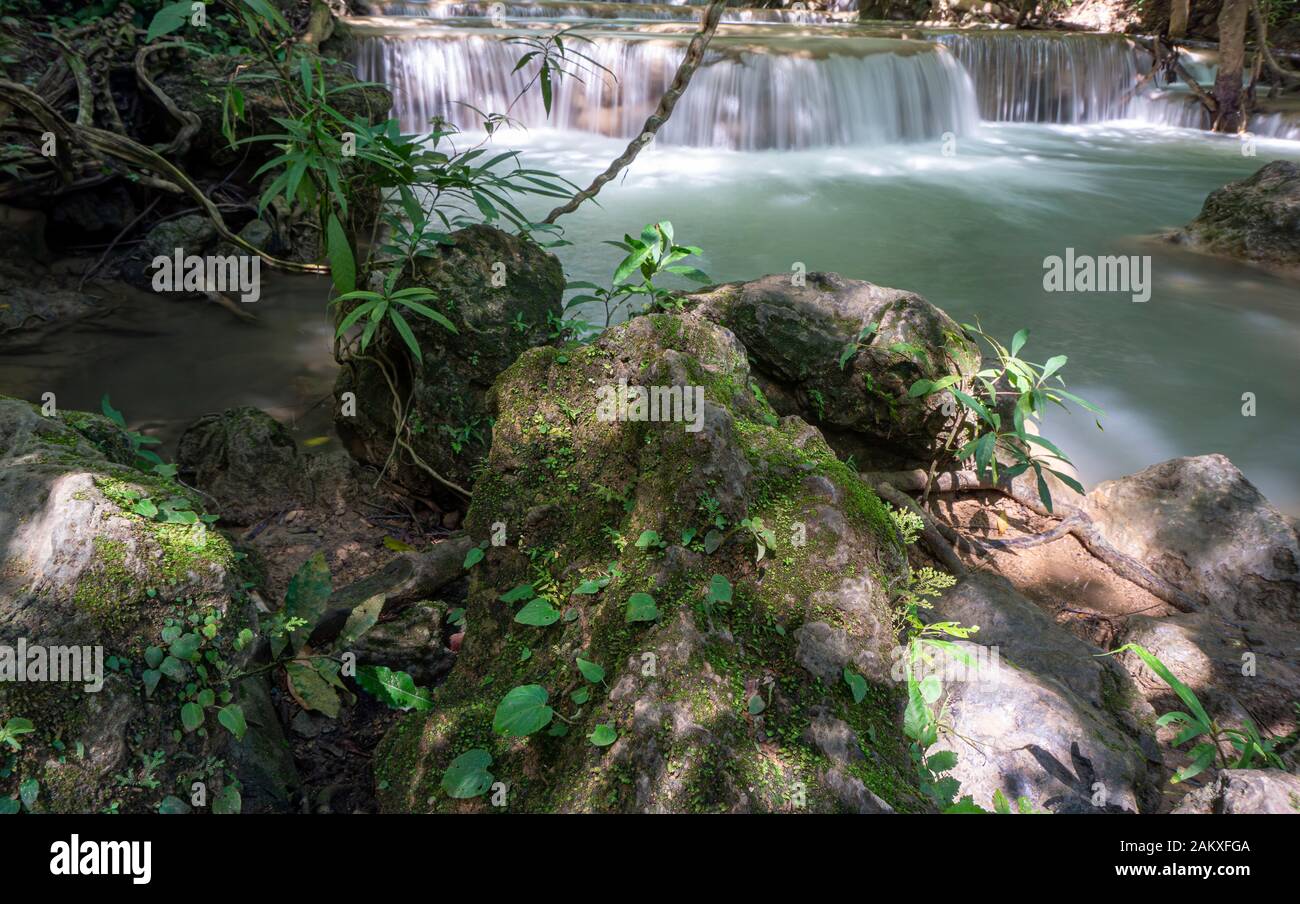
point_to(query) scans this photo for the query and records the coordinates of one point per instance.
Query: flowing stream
(952, 164)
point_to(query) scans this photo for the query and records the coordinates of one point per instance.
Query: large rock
(1028, 638)
(1027, 734)
(79, 566)
(795, 336)
(245, 460)
(694, 690)
(448, 423)
(1235, 791)
(1256, 219)
(1238, 670)
(1201, 525)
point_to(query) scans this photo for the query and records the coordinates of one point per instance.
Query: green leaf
(228, 802)
(648, 539)
(603, 736)
(154, 657)
(941, 761)
(467, 775)
(1000, 802)
(167, 20)
(343, 266)
(404, 330)
(580, 696)
(186, 646)
(171, 805)
(1017, 343)
(362, 619)
(1202, 756)
(397, 690)
(719, 589)
(28, 792)
(173, 668)
(474, 556)
(111, 413)
(712, 540)
(1183, 691)
(191, 716)
(151, 677)
(592, 672)
(539, 613)
(307, 596)
(522, 592)
(857, 685)
(522, 711)
(232, 718)
(9, 806)
(756, 704)
(641, 607)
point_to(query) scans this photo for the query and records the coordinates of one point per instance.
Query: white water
(793, 145)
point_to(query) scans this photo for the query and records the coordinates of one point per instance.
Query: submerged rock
(501, 292)
(797, 336)
(703, 694)
(1201, 525)
(1255, 219)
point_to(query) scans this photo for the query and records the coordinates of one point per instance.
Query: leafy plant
(1246, 742)
(651, 256)
(12, 730)
(1033, 387)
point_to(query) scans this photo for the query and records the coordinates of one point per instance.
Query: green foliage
(467, 775)
(397, 690)
(522, 711)
(641, 607)
(651, 256)
(14, 729)
(1033, 387)
(1246, 742)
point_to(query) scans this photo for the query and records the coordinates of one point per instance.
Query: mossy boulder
(799, 339)
(713, 701)
(80, 567)
(501, 292)
(1255, 219)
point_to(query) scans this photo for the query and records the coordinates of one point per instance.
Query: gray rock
(795, 335)
(449, 387)
(1235, 791)
(192, 234)
(1201, 525)
(411, 642)
(1255, 219)
(1029, 735)
(245, 460)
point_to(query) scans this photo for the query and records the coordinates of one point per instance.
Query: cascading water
(592, 9)
(1048, 78)
(740, 99)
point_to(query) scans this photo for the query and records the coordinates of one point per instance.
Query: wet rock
(1201, 525)
(1029, 735)
(245, 460)
(795, 336)
(1235, 791)
(673, 670)
(1255, 219)
(192, 234)
(262, 759)
(448, 422)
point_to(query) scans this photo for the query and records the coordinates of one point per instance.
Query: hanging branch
(694, 56)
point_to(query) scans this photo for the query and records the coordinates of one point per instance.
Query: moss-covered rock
(501, 292)
(801, 341)
(80, 567)
(710, 703)
(1255, 219)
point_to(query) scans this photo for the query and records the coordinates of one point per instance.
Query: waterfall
(1023, 77)
(589, 9)
(738, 99)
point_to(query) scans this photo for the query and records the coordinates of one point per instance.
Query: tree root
(1073, 521)
(190, 122)
(1261, 30)
(121, 148)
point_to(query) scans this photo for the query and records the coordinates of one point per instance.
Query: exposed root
(1073, 521)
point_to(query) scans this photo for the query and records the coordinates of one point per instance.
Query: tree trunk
(1178, 13)
(1230, 116)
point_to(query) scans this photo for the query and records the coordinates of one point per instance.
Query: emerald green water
(970, 232)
